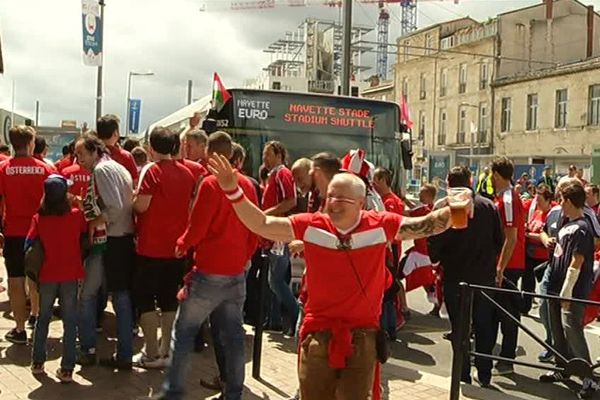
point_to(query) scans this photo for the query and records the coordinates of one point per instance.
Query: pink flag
(405, 114)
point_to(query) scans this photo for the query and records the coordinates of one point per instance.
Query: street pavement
(420, 347)
(419, 367)
(278, 373)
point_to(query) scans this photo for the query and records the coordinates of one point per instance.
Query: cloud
(42, 49)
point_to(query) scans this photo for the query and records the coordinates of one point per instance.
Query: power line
(468, 53)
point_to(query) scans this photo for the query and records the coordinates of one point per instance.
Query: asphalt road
(422, 354)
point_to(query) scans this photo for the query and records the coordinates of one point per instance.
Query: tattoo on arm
(416, 228)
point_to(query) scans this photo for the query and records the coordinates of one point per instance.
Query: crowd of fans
(172, 232)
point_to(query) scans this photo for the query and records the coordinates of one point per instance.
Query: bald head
(301, 172)
(351, 183)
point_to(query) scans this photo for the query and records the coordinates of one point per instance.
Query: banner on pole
(92, 33)
(135, 106)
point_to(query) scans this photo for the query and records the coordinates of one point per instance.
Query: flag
(405, 114)
(92, 33)
(220, 95)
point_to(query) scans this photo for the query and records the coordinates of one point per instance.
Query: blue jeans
(223, 297)
(278, 271)
(545, 308)
(93, 282)
(67, 295)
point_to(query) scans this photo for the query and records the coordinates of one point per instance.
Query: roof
(430, 27)
(543, 4)
(386, 85)
(564, 69)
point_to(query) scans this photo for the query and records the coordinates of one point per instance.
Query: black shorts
(119, 263)
(157, 281)
(14, 256)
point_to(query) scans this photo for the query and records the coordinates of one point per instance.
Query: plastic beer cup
(458, 200)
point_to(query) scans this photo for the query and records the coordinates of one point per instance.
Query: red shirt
(64, 163)
(60, 237)
(125, 159)
(222, 244)
(537, 250)
(22, 185)
(393, 203)
(80, 177)
(336, 301)
(197, 170)
(512, 215)
(280, 187)
(171, 185)
(4, 157)
(421, 244)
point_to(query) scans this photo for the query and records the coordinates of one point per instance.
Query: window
(560, 117)
(421, 125)
(442, 133)
(505, 118)
(405, 87)
(428, 43)
(423, 87)
(462, 125)
(443, 82)
(462, 78)
(276, 86)
(483, 123)
(406, 49)
(483, 76)
(532, 111)
(594, 108)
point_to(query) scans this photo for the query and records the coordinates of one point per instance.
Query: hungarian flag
(220, 95)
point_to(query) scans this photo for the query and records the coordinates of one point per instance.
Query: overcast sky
(42, 43)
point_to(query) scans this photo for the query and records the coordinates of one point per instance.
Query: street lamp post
(132, 73)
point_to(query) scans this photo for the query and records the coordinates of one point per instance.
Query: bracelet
(239, 199)
(235, 195)
(230, 192)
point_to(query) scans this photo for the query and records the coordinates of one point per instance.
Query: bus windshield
(306, 124)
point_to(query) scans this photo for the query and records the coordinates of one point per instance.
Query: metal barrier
(461, 340)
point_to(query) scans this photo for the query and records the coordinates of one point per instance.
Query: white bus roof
(182, 115)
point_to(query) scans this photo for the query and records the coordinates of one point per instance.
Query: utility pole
(37, 113)
(189, 91)
(99, 77)
(347, 48)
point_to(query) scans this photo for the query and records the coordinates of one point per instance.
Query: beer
(458, 200)
(459, 215)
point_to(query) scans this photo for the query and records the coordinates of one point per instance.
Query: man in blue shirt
(571, 276)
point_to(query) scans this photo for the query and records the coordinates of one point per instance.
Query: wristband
(236, 195)
(239, 199)
(230, 192)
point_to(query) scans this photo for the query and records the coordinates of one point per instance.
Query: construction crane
(408, 20)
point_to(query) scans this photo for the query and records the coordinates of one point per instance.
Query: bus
(306, 124)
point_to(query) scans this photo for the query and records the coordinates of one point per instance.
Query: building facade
(450, 74)
(550, 116)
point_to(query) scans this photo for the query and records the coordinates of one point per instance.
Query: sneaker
(37, 368)
(64, 375)
(503, 369)
(113, 363)
(553, 377)
(16, 337)
(86, 359)
(143, 361)
(484, 383)
(546, 357)
(31, 321)
(588, 389)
